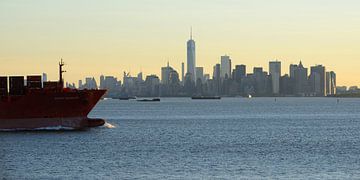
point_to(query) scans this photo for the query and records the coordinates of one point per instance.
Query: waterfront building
(330, 83)
(275, 73)
(317, 80)
(301, 80)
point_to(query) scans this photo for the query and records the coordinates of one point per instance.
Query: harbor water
(180, 138)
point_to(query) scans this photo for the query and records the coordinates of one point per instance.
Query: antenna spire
(190, 32)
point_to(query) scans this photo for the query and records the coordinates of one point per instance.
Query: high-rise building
(44, 78)
(206, 77)
(90, 83)
(200, 73)
(317, 80)
(182, 72)
(165, 74)
(140, 77)
(102, 80)
(80, 85)
(327, 79)
(330, 83)
(258, 70)
(129, 81)
(260, 78)
(275, 73)
(216, 71)
(216, 79)
(239, 72)
(225, 71)
(292, 69)
(333, 83)
(191, 58)
(301, 80)
(152, 85)
(110, 83)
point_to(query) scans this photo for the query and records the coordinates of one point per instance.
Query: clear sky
(109, 36)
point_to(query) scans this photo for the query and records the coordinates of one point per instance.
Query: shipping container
(33, 82)
(3, 86)
(36, 78)
(16, 85)
(51, 85)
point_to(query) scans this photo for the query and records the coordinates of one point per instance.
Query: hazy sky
(109, 36)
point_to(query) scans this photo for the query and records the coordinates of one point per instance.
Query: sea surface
(180, 138)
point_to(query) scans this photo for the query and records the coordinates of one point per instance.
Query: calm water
(179, 138)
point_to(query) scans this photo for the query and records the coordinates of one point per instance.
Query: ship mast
(61, 71)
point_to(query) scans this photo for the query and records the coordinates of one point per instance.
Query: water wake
(108, 125)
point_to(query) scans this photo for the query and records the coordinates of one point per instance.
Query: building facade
(275, 73)
(225, 71)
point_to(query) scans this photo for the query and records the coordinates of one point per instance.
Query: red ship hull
(41, 109)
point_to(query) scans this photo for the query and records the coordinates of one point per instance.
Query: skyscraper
(225, 70)
(332, 83)
(216, 71)
(292, 69)
(239, 72)
(317, 80)
(301, 80)
(275, 73)
(165, 74)
(200, 73)
(182, 72)
(216, 78)
(102, 82)
(80, 85)
(140, 77)
(44, 79)
(260, 80)
(191, 58)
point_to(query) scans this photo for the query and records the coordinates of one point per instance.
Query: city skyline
(112, 37)
(225, 81)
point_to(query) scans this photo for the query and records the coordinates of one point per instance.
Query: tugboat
(45, 105)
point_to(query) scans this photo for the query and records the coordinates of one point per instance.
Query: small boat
(205, 97)
(126, 98)
(149, 100)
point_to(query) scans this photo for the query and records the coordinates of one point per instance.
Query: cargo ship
(37, 105)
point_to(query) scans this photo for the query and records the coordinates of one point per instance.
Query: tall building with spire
(191, 58)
